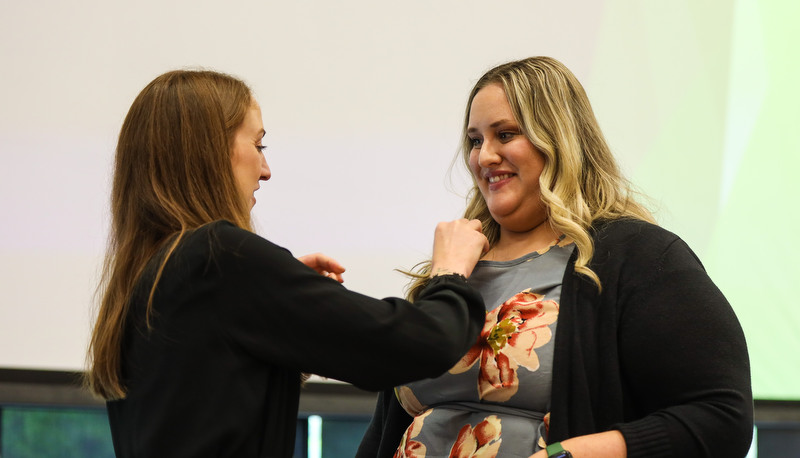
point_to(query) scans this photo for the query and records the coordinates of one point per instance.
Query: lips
(253, 197)
(498, 179)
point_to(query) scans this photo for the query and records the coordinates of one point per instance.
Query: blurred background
(363, 103)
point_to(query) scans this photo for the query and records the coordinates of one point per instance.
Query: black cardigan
(658, 355)
(237, 319)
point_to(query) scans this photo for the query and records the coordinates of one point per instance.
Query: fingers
(478, 225)
(457, 246)
(320, 262)
(329, 264)
(324, 265)
(335, 276)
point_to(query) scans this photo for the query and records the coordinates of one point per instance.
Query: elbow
(427, 351)
(443, 360)
(439, 357)
(421, 360)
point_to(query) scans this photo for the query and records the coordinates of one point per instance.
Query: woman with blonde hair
(604, 336)
(205, 328)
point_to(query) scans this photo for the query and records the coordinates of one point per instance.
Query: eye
(261, 148)
(506, 136)
(475, 142)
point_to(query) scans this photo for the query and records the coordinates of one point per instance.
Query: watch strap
(555, 450)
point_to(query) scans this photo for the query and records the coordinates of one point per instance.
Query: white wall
(362, 103)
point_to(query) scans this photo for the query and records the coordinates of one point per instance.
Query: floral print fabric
(509, 338)
(493, 402)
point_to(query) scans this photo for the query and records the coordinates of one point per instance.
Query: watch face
(561, 454)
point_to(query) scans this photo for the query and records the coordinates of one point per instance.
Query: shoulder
(223, 238)
(630, 231)
(633, 236)
(639, 245)
(221, 229)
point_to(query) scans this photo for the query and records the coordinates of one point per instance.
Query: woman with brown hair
(604, 336)
(205, 328)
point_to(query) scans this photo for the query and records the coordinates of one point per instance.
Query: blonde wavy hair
(581, 183)
(172, 174)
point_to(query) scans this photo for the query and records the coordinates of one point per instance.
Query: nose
(266, 173)
(488, 154)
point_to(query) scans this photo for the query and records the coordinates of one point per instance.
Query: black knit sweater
(658, 355)
(237, 319)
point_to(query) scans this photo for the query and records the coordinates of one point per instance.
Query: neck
(513, 245)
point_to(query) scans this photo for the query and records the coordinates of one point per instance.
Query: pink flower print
(408, 447)
(511, 333)
(409, 401)
(482, 441)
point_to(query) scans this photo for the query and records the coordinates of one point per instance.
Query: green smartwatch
(557, 451)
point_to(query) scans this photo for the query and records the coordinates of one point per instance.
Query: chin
(525, 224)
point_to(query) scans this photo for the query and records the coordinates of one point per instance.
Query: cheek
(237, 157)
(474, 168)
(250, 161)
(255, 164)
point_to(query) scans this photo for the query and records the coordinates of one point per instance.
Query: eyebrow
(492, 125)
(263, 133)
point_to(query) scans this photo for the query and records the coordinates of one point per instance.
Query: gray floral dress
(494, 401)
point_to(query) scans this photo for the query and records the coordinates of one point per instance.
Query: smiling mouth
(497, 178)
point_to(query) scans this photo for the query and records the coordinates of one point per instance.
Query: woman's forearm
(609, 444)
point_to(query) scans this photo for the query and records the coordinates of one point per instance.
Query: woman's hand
(457, 247)
(324, 265)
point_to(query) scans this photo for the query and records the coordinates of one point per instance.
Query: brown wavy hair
(172, 174)
(581, 182)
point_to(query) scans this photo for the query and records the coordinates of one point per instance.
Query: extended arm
(609, 444)
(285, 313)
